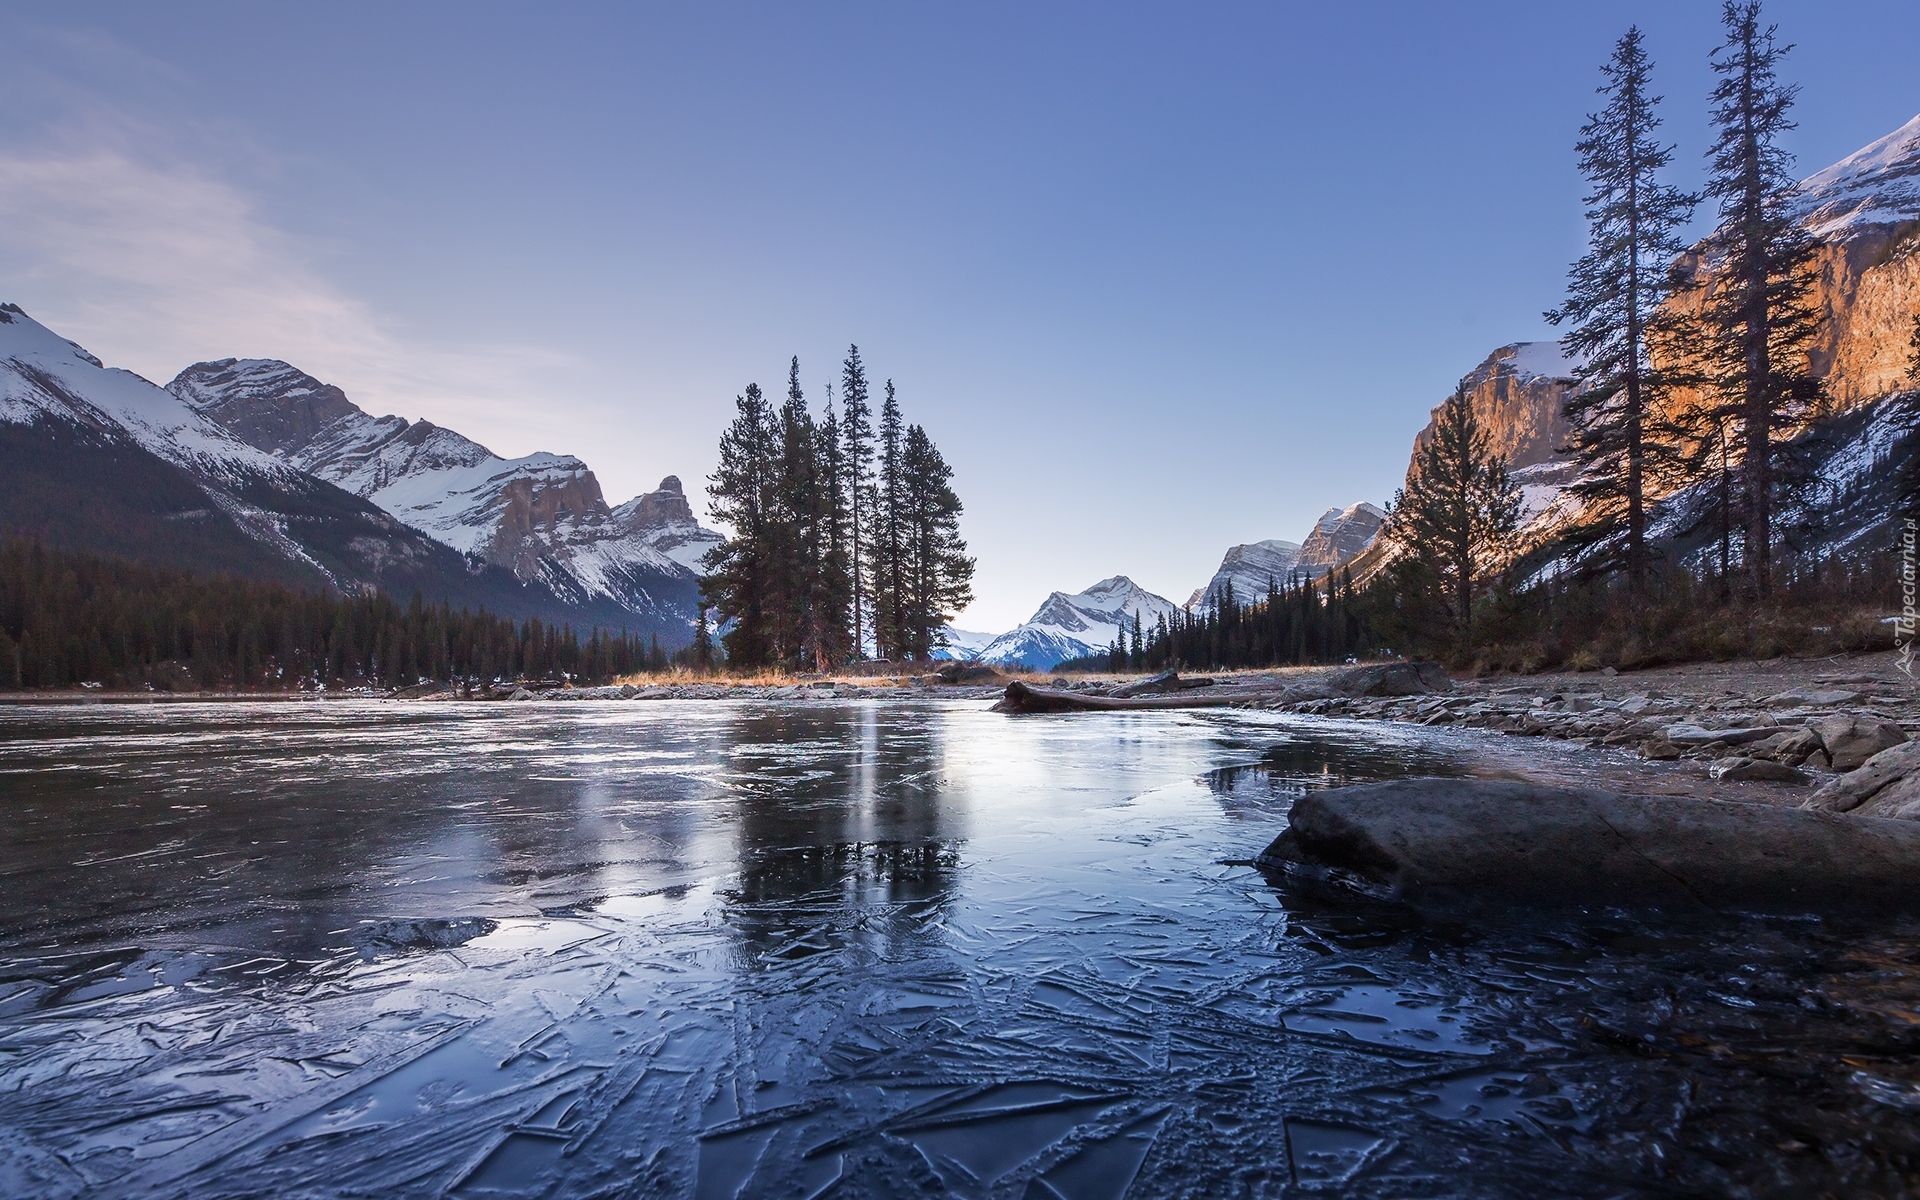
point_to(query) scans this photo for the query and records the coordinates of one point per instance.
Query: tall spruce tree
(1614, 297)
(797, 534)
(884, 551)
(857, 435)
(1457, 509)
(1755, 320)
(936, 574)
(832, 635)
(702, 640)
(739, 569)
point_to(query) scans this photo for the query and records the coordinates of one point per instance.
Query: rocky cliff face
(541, 516)
(1339, 536)
(1249, 567)
(1519, 396)
(1866, 211)
(265, 404)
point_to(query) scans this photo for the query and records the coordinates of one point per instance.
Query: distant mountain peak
(1068, 626)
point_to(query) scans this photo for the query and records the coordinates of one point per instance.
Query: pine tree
(795, 533)
(936, 574)
(857, 433)
(832, 637)
(1614, 297)
(738, 569)
(702, 641)
(1756, 321)
(1457, 509)
(884, 550)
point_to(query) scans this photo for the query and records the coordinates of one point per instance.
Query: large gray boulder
(1866, 781)
(1455, 841)
(1851, 741)
(1390, 679)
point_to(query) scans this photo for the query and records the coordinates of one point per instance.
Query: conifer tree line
(69, 618)
(1296, 621)
(1694, 364)
(846, 532)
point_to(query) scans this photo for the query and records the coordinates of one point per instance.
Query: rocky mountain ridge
(102, 460)
(541, 516)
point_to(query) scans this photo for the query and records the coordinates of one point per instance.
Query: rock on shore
(1454, 841)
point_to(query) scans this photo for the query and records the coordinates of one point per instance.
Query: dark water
(717, 950)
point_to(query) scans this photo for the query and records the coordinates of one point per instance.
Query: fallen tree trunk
(1023, 699)
(1460, 841)
(1168, 690)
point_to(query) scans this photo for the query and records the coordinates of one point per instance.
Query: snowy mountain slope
(541, 516)
(1073, 626)
(101, 460)
(964, 645)
(49, 376)
(1249, 566)
(1878, 184)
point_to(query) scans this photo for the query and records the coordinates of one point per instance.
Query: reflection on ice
(718, 950)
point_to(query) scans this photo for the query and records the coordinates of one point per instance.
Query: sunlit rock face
(1338, 537)
(542, 515)
(1866, 209)
(1519, 396)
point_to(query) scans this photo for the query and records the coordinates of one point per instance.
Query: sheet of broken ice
(719, 950)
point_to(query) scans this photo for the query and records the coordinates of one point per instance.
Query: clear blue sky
(1158, 279)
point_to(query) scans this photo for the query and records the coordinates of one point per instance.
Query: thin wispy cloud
(153, 265)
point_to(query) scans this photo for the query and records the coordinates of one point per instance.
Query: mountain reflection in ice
(716, 950)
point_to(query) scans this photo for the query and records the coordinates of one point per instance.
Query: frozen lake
(857, 949)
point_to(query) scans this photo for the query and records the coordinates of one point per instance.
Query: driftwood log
(1168, 690)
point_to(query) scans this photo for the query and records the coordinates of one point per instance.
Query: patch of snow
(1879, 184)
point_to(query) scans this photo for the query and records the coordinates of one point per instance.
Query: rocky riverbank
(1785, 721)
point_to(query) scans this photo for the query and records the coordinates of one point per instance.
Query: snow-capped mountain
(541, 516)
(102, 460)
(1073, 626)
(48, 377)
(964, 644)
(1250, 567)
